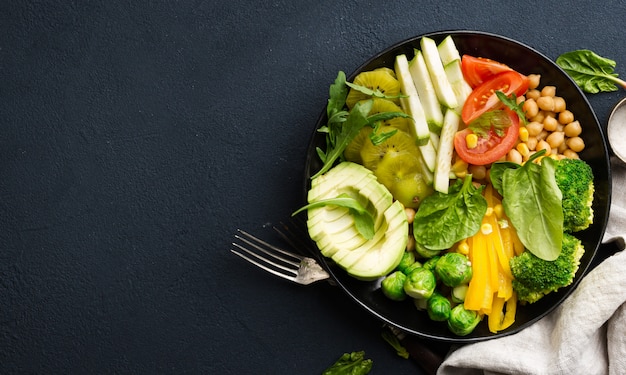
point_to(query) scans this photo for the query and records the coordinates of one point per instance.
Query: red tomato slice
(483, 98)
(491, 147)
(477, 70)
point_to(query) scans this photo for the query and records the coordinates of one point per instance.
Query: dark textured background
(137, 136)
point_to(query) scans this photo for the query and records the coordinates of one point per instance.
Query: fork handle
(428, 355)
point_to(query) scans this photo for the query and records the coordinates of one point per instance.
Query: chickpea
(410, 214)
(410, 244)
(540, 116)
(514, 156)
(576, 144)
(546, 103)
(531, 143)
(550, 123)
(544, 133)
(570, 154)
(534, 128)
(478, 172)
(573, 129)
(559, 104)
(533, 94)
(543, 145)
(548, 91)
(530, 108)
(565, 117)
(533, 81)
(555, 139)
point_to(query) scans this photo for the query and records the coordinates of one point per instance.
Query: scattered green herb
(343, 126)
(513, 105)
(444, 219)
(350, 364)
(394, 341)
(532, 201)
(373, 93)
(363, 219)
(591, 72)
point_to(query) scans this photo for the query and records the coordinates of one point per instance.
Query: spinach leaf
(350, 364)
(444, 219)
(591, 72)
(363, 219)
(532, 201)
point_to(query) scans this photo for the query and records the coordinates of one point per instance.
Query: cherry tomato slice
(491, 147)
(477, 70)
(483, 98)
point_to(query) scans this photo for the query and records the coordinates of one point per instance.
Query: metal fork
(294, 267)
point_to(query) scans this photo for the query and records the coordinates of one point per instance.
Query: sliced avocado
(334, 231)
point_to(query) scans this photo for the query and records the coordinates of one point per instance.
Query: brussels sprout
(424, 252)
(462, 322)
(453, 269)
(413, 266)
(458, 293)
(393, 286)
(408, 259)
(430, 263)
(420, 283)
(438, 307)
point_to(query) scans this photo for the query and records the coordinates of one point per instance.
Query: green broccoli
(574, 178)
(535, 277)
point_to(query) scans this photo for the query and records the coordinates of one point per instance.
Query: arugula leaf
(511, 103)
(339, 137)
(363, 219)
(350, 364)
(532, 201)
(338, 92)
(373, 93)
(591, 72)
(444, 219)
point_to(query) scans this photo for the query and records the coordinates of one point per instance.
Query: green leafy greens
(342, 126)
(444, 219)
(353, 363)
(532, 201)
(591, 72)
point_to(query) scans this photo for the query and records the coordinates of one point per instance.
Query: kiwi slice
(395, 166)
(411, 189)
(353, 150)
(400, 142)
(377, 80)
(386, 70)
(385, 105)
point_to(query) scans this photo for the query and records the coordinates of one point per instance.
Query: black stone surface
(136, 137)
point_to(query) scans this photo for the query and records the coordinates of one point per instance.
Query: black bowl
(527, 61)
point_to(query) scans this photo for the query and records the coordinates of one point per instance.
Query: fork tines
(276, 260)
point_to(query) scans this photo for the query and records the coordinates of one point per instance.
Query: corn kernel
(463, 248)
(523, 134)
(522, 148)
(471, 140)
(489, 211)
(486, 228)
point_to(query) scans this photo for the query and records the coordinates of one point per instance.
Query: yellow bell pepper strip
(479, 294)
(502, 314)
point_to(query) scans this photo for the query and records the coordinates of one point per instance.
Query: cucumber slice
(451, 122)
(426, 91)
(448, 51)
(411, 103)
(451, 60)
(461, 88)
(437, 73)
(429, 155)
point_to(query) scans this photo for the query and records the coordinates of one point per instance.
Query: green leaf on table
(591, 72)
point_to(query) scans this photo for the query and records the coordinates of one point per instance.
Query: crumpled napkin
(586, 334)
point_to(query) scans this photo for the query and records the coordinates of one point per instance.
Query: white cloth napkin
(585, 335)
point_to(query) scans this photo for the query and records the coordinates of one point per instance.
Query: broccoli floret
(535, 277)
(574, 178)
